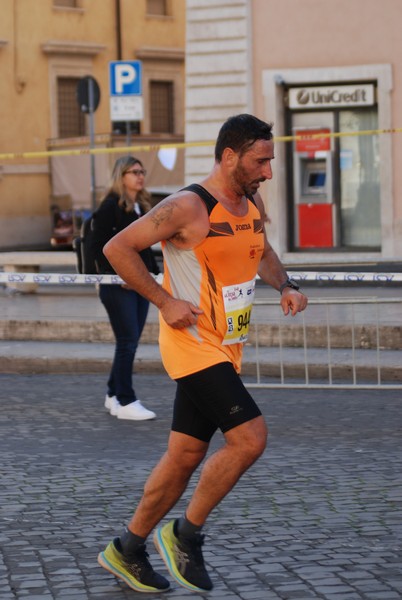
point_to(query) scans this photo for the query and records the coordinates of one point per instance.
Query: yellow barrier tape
(336, 134)
(150, 147)
(114, 150)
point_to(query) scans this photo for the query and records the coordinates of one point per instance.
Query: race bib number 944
(238, 301)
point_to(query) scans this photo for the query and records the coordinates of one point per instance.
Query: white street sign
(126, 108)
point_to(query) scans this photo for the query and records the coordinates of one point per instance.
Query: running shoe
(135, 570)
(183, 558)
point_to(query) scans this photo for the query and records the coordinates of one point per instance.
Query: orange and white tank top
(218, 276)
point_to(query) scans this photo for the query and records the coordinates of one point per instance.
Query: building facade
(313, 68)
(45, 51)
(325, 73)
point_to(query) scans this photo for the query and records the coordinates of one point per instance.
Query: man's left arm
(274, 274)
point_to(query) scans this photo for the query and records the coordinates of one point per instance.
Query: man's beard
(242, 184)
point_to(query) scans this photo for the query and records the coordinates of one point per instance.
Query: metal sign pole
(128, 133)
(92, 140)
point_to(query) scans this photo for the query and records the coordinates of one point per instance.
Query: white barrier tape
(351, 277)
(300, 276)
(64, 278)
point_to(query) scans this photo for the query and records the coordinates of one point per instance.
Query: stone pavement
(318, 517)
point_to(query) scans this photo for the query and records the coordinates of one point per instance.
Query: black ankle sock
(129, 542)
(186, 528)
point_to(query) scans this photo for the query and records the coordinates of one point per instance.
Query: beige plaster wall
(320, 33)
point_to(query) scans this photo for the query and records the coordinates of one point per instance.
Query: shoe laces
(192, 547)
(138, 565)
(139, 557)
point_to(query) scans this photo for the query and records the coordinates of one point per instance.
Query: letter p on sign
(125, 78)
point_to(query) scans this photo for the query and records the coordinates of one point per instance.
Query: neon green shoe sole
(177, 556)
(131, 573)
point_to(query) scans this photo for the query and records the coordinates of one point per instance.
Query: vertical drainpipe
(118, 29)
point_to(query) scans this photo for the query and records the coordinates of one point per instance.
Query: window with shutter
(161, 106)
(71, 120)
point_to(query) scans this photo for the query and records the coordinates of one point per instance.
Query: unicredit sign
(331, 96)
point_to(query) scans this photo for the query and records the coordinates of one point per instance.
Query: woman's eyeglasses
(137, 172)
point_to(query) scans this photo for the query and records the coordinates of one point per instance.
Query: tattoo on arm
(163, 213)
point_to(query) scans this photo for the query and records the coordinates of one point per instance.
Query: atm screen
(316, 179)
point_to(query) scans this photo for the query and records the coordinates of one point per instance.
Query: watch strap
(288, 283)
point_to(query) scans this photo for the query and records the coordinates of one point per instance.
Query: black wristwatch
(289, 283)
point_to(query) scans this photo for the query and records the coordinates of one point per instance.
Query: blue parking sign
(125, 78)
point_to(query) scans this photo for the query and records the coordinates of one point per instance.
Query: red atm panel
(315, 226)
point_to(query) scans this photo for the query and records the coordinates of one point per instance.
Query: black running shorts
(211, 399)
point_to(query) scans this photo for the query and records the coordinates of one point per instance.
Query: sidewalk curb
(297, 370)
(365, 336)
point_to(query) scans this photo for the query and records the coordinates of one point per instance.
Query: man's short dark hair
(240, 132)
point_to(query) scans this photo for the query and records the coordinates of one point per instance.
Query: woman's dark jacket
(108, 220)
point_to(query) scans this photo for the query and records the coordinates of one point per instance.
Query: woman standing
(124, 203)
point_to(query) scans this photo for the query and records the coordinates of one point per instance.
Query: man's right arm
(166, 220)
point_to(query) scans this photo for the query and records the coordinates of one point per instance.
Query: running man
(214, 244)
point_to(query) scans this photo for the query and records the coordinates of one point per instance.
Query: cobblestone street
(319, 515)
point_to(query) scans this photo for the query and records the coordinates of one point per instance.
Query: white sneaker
(135, 412)
(112, 405)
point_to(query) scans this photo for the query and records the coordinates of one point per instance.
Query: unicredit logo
(303, 97)
(331, 96)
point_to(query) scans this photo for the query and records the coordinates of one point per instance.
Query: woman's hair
(121, 166)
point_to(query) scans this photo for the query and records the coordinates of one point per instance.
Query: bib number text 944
(243, 320)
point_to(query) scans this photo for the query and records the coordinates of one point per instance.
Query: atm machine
(313, 188)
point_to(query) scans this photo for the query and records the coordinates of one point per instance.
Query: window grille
(161, 105)
(71, 120)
